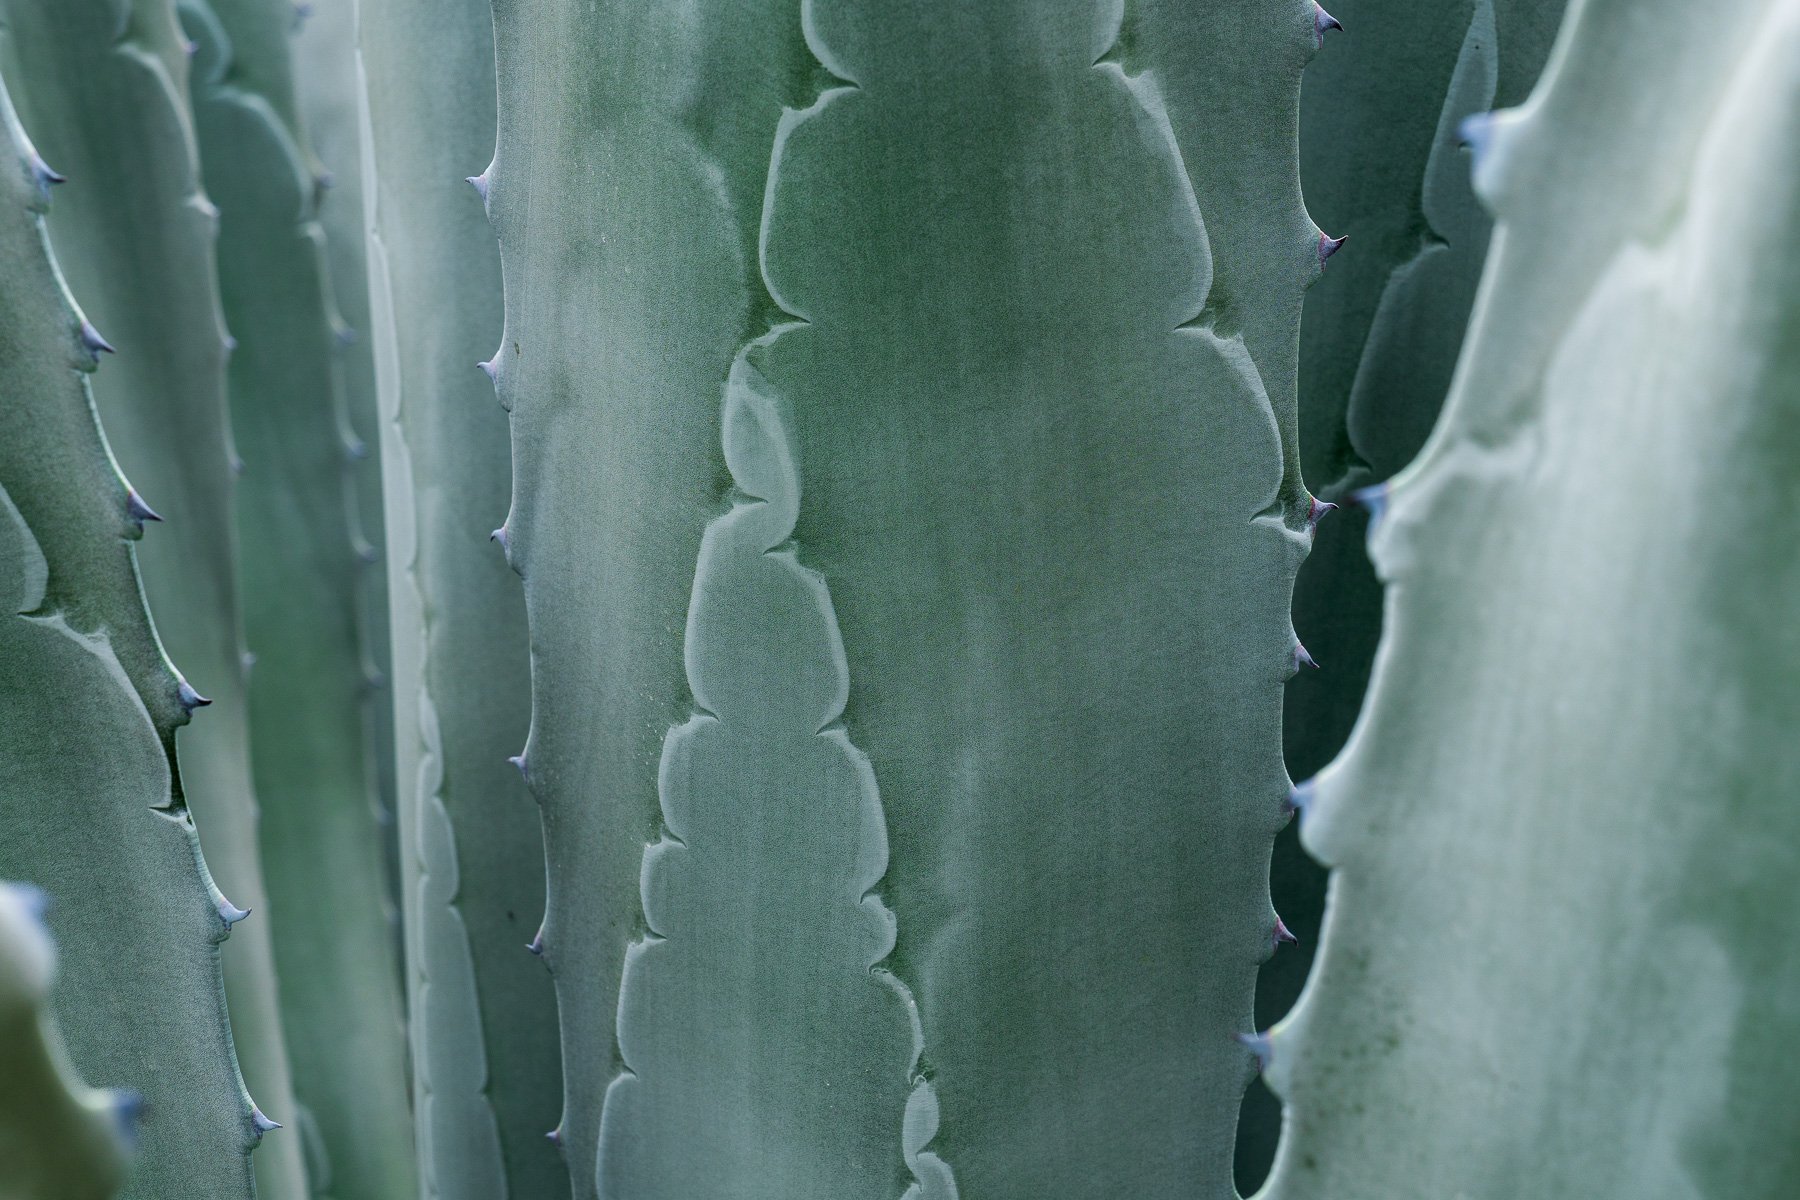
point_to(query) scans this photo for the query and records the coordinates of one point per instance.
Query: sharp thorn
(1260, 1047)
(45, 176)
(480, 183)
(536, 944)
(1317, 510)
(518, 760)
(1373, 500)
(1329, 246)
(137, 509)
(128, 1112)
(554, 1137)
(190, 699)
(1476, 131)
(499, 535)
(260, 1123)
(230, 913)
(90, 337)
(1284, 935)
(490, 370)
(1299, 796)
(1302, 658)
(32, 898)
(1323, 21)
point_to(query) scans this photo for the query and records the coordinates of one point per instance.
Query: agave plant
(906, 426)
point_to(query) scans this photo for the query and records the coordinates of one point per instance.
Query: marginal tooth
(554, 1137)
(1476, 131)
(190, 699)
(536, 944)
(260, 1123)
(1260, 1046)
(1329, 246)
(1373, 500)
(480, 182)
(518, 760)
(32, 898)
(1303, 658)
(1322, 22)
(490, 370)
(96, 345)
(500, 535)
(137, 510)
(229, 913)
(128, 1113)
(46, 178)
(1284, 935)
(1299, 797)
(1317, 510)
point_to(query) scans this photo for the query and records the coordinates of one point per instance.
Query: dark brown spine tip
(1284, 935)
(1329, 246)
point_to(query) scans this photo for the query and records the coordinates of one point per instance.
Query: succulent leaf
(59, 1139)
(1382, 158)
(92, 802)
(487, 1072)
(134, 235)
(322, 839)
(325, 78)
(1018, 289)
(1560, 943)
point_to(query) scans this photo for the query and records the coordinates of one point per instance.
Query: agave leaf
(626, 192)
(324, 72)
(487, 1075)
(943, 676)
(1384, 165)
(1560, 947)
(59, 1138)
(93, 808)
(135, 236)
(322, 840)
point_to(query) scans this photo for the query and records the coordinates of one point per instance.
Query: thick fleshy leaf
(487, 1073)
(336, 952)
(1561, 951)
(91, 807)
(134, 235)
